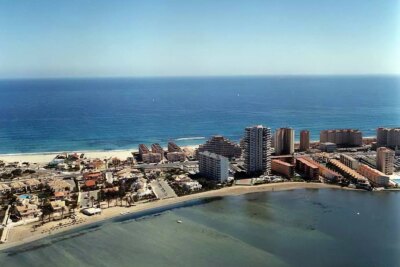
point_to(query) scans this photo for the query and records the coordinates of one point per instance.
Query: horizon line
(199, 76)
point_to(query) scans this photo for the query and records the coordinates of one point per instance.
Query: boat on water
(179, 221)
(379, 189)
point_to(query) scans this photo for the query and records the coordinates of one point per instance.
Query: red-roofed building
(282, 167)
(90, 183)
(96, 164)
(92, 175)
(74, 156)
(309, 169)
(59, 195)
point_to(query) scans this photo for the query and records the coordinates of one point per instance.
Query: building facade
(156, 148)
(282, 167)
(213, 166)
(389, 137)
(348, 173)
(375, 177)
(172, 147)
(151, 158)
(284, 141)
(385, 160)
(342, 137)
(143, 149)
(328, 174)
(328, 147)
(304, 140)
(349, 161)
(221, 146)
(257, 150)
(307, 168)
(176, 156)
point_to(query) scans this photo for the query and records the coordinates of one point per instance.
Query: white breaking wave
(190, 138)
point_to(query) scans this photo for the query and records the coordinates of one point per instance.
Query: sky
(88, 38)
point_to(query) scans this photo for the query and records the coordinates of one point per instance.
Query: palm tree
(108, 201)
(107, 196)
(128, 200)
(47, 209)
(73, 206)
(102, 195)
(92, 200)
(62, 212)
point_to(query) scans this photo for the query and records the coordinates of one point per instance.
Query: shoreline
(114, 212)
(45, 157)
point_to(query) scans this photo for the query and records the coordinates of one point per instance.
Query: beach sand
(46, 157)
(24, 234)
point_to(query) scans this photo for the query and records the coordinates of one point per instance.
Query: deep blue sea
(105, 114)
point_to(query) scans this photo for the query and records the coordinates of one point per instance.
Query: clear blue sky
(51, 38)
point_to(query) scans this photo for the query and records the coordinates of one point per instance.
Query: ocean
(303, 227)
(52, 115)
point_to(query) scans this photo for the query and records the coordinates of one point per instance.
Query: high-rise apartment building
(213, 166)
(389, 137)
(304, 140)
(257, 150)
(342, 137)
(385, 160)
(284, 141)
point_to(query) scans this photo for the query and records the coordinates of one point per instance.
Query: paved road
(167, 165)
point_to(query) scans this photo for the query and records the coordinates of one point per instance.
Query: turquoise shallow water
(104, 114)
(288, 228)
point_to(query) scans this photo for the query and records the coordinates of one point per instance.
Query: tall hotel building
(257, 150)
(221, 146)
(284, 141)
(388, 137)
(385, 160)
(304, 140)
(213, 166)
(342, 137)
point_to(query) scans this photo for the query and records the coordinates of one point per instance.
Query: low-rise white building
(328, 147)
(192, 186)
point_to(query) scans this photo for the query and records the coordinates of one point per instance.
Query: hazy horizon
(203, 76)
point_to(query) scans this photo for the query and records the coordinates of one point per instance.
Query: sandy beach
(46, 157)
(25, 234)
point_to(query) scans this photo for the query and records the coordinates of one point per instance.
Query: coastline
(113, 212)
(45, 157)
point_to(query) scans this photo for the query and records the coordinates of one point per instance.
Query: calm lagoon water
(305, 227)
(104, 114)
